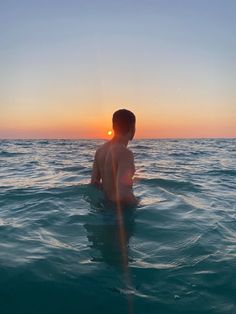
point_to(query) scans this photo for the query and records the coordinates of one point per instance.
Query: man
(113, 166)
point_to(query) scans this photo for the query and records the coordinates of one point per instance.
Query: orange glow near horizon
(71, 123)
(96, 133)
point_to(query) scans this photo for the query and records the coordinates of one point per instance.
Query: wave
(168, 183)
(43, 142)
(139, 146)
(10, 154)
(73, 168)
(42, 193)
(187, 154)
(228, 172)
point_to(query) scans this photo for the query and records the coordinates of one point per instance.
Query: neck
(120, 139)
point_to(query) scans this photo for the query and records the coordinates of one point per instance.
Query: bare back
(113, 170)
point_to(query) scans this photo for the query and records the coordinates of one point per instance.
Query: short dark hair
(123, 120)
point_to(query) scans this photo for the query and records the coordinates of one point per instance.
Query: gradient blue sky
(67, 65)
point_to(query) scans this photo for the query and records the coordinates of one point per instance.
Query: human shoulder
(126, 154)
(125, 150)
(101, 148)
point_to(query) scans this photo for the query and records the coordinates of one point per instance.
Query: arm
(96, 176)
(124, 179)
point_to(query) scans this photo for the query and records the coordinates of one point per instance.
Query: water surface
(63, 249)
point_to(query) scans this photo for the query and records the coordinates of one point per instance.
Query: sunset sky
(67, 65)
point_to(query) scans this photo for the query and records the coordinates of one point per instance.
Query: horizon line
(96, 138)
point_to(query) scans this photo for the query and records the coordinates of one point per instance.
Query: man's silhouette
(113, 166)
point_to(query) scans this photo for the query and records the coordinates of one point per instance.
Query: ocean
(65, 250)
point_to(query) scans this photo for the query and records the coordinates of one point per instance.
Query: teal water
(63, 249)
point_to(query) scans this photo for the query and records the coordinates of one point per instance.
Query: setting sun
(109, 133)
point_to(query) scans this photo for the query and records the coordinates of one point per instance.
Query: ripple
(172, 184)
(226, 172)
(151, 265)
(10, 154)
(73, 168)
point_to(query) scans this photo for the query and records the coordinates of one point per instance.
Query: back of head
(123, 121)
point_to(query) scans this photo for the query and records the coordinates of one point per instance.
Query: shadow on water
(109, 231)
(104, 228)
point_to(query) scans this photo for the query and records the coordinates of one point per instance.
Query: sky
(67, 65)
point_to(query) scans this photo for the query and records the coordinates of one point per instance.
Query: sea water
(64, 249)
